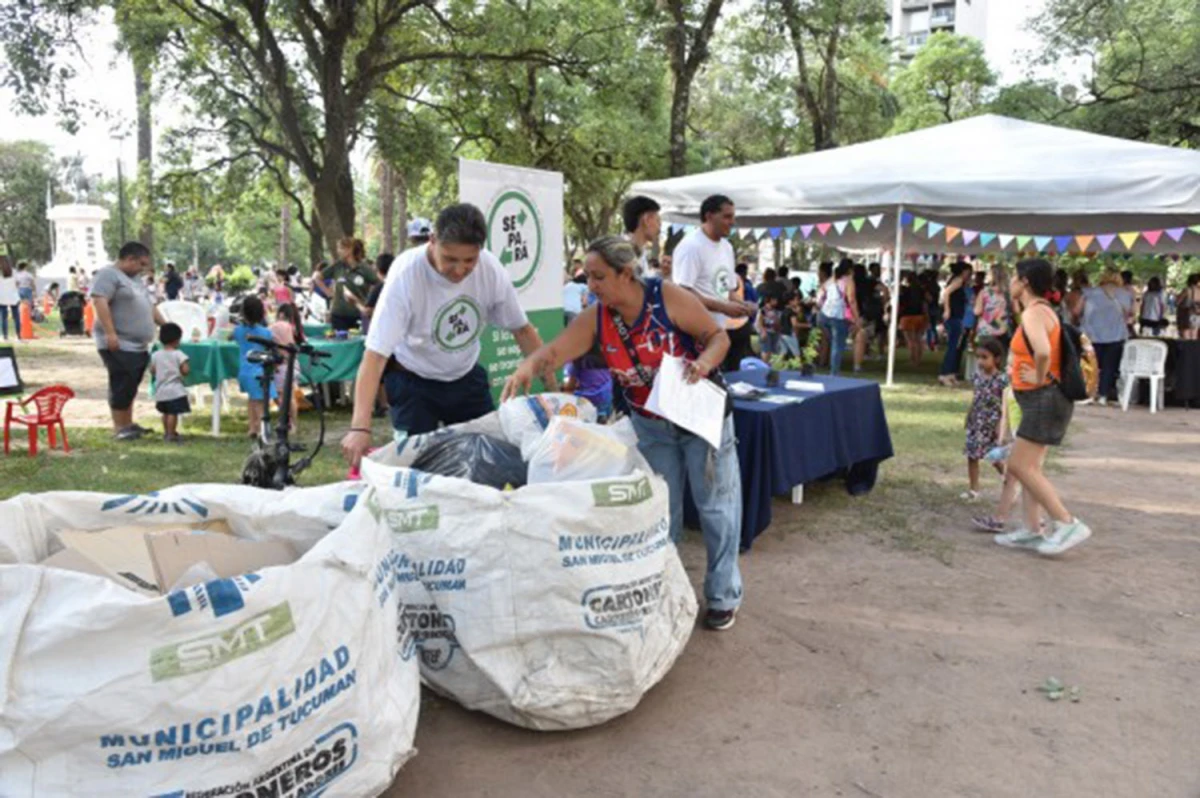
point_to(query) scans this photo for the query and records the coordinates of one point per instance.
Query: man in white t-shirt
(703, 262)
(435, 303)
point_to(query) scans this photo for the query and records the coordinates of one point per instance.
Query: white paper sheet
(698, 408)
(805, 385)
(781, 399)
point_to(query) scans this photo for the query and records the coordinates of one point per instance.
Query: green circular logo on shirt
(457, 324)
(515, 235)
(723, 283)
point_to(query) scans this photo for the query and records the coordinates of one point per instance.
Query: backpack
(1073, 384)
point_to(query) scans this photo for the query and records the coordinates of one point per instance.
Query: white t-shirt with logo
(705, 266)
(432, 325)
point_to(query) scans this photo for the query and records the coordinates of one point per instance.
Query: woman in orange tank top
(1035, 363)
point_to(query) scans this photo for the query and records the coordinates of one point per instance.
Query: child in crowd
(288, 331)
(250, 374)
(589, 377)
(987, 411)
(169, 366)
(791, 319)
(769, 326)
(997, 523)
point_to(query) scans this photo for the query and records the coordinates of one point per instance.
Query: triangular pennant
(1042, 242)
(986, 238)
(1022, 241)
(969, 236)
(790, 232)
(1084, 242)
(918, 223)
(1128, 239)
(858, 223)
(1176, 233)
(840, 226)
(774, 232)
(823, 227)
(877, 219)
(1062, 243)
(1152, 236)
(1195, 229)
(1105, 241)
(935, 228)
(951, 232)
(906, 219)
(1005, 240)
(806, 230)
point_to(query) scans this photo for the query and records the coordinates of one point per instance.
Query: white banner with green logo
(524, 212)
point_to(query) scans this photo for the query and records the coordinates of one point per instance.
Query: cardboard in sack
(554, 606)
(286, 681)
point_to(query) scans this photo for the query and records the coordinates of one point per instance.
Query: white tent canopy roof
(990, 172)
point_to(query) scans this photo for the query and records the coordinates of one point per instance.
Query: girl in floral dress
(987, 410)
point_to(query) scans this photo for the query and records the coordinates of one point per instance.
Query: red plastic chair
(49, 404)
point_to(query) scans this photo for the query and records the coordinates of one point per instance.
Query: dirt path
(859, 670)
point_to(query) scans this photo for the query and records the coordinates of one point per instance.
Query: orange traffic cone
(47, 305)
(26, 322)
(89, 316)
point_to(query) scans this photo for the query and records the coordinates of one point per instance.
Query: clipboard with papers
(697, 407)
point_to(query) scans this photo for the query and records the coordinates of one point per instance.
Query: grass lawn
(916, 493)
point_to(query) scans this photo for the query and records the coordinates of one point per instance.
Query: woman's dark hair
(1038, 273)
(1154, 284)
(383, 262)
(845, 267)
(1127, 277)
(958, 267)
(170, 334)
(825, 270)
(992, 346)
(795, 282)
(769, 275)
(253, 312)
(288, 312)
(742, 269)
(1193, 279)
(5, 266)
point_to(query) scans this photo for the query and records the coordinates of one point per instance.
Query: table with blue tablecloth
(840, 432)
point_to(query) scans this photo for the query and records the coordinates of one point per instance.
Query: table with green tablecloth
(213, 362)
(316, 331)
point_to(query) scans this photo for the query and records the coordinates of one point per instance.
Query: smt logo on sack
(424, 628)
(212, 651)
(413, 519)
(620, 494)
(617, 606)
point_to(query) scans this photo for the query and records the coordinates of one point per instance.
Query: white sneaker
(1020, 538)
(1102, 401)
(969, 496)
(1064, 536)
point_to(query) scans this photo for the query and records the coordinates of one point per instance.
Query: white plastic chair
(188, 315)
(1143, 359)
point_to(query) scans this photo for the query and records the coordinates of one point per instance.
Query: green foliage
(241, 278)
(945, 81)
(26, 169)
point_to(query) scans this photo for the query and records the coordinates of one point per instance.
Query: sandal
(989, 523)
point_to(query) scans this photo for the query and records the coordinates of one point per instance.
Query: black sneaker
(720, 620)
(127, 434)
(142, 430)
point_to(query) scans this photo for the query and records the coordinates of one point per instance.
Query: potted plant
(810, 352)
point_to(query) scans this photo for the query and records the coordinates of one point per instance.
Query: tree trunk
(195, 248)
(680, 100)
(285, 233)
(143, 65)
(400, 184)
(316, 242)
(333, 197)
(387, 206)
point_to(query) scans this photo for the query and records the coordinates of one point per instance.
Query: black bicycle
(269, 464)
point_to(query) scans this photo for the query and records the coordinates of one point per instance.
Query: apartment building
(912, 21)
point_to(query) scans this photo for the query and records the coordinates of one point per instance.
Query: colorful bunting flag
(1195, 229)
(951, 233)
(840, 226)
(1042, 242)
(1022, 241)
(1083, 242)
(775, 232)
(969, 236)
(1176, 233)
(790, 232)
(1063, 243)
(823, 227)
(877, 219)
(987, 238)
(906, 219)
(806, 230)
(1105, 240)
(858, 223)
(1128, 239)
(935, 228)
(918, 223)
(1005, 240)
(1152, 236)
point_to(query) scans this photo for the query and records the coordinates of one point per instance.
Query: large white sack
(274, 683)
(555, 606)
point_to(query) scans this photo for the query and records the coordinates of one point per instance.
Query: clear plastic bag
(571, 450)
(476, 457)
(525, 418)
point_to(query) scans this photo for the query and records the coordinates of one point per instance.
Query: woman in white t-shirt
(1154, 309)
(839, 311)
(10, 298)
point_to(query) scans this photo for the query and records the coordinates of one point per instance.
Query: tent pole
(896, 259)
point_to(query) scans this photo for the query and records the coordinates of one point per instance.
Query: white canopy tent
(989, 174)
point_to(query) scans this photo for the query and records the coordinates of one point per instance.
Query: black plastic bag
(474, 456)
